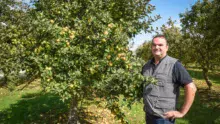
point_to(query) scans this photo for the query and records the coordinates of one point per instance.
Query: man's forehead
(158, 40)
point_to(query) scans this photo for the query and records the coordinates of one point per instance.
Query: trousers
(151, 119)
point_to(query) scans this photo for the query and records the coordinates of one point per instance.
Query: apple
(110, 25)
(72, 36)
(103, 40)
(51, 21)
(71, 85)
(110, 64)
(108, 56)
(105, 32)
(67, 43)
(58, 40)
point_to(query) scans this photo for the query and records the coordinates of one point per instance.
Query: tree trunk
(5, 80)
(32, 78)
(73, 113)
(205, 75)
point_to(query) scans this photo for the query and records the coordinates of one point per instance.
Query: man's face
(159, 47)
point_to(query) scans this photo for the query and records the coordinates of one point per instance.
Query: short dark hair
(161, 36)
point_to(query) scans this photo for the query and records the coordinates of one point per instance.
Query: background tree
(13, 20)
(144, 51)
(179, 47)
(204, 35)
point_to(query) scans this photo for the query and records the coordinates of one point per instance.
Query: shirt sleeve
(180, 74)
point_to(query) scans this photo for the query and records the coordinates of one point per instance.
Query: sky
(166, 9)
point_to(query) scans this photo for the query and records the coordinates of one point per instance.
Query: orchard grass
(30, 105)
(197, 74)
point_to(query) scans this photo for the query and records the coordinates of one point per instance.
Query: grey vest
(161, 97)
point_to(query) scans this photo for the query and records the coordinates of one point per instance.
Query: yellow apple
(103, 40)
(110, 64)
(105, 32)
(108, 56)
(67, 43)
(110, 25)
(71, 85)
(58, 40)
(72, 36)
(51, 21)
(123, 58)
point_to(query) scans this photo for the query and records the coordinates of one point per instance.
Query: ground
(30, 105)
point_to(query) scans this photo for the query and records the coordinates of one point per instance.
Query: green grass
(8, 97)
(205, 109)
(33, 106)
(197, 74)
(135, 114)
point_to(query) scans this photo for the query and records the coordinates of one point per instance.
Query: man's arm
(190, 90)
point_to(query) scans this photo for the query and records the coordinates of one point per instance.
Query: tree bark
(205, 75)
(73, 113)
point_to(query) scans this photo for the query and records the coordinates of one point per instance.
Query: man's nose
(157, 46)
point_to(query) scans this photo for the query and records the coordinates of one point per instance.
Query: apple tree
(79, 49)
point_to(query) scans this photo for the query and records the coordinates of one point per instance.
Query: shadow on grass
(38, 108)
(215, 77)
(205, 109)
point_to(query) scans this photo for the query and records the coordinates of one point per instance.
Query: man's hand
(173, 114)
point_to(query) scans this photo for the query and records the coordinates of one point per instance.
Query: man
(160, 99)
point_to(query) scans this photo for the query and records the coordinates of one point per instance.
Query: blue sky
(166, 9)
